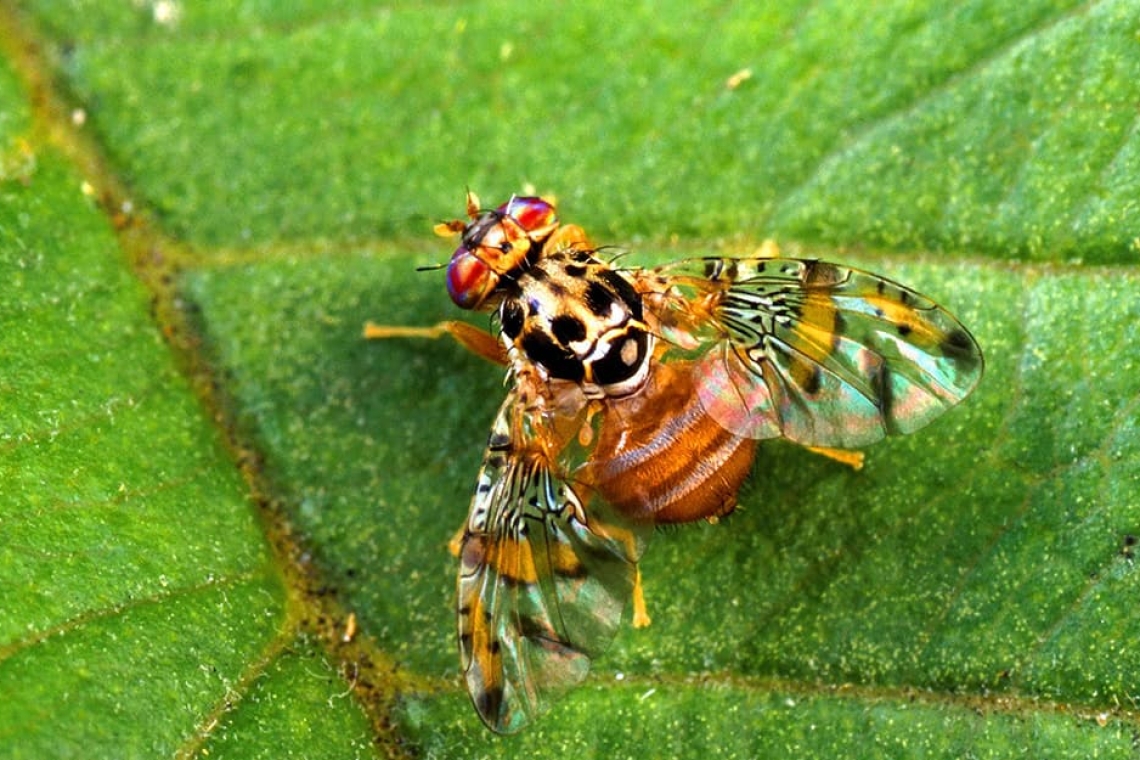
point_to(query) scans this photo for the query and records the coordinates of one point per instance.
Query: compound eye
(469, 280)
(537, 217)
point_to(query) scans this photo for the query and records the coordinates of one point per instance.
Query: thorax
(577, 319)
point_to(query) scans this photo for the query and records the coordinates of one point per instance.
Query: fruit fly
(636, 397)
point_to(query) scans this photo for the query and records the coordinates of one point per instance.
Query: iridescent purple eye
(469, 279)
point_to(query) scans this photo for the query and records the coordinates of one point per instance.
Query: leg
(640, 613)
(853, 459)
(568, 236)
(455, 545)
(472, 338)
(767, 250)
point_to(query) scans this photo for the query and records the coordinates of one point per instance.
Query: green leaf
(1004, 127)
(971, 592)
(139, 603)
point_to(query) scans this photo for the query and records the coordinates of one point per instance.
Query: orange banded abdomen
(661, 458)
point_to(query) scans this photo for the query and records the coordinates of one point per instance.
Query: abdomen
(661, 458)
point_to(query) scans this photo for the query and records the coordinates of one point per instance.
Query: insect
(637, 397)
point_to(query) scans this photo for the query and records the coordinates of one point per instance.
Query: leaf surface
(970, 592)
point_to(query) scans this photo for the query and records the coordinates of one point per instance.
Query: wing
(820, 354)
(542, 581)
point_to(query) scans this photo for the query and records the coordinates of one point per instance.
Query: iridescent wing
(542, 581)
(820, 354)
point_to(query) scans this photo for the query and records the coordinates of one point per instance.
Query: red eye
(534, 215)
(469, 280)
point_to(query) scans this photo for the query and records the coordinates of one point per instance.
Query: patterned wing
(817, 353)
(542, 582)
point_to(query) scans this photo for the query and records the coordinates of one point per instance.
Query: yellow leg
(640, 613)
(767, 250)
(853, 459)
(479, 342)
(374, 331)
(455, 545)
(569, 236)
